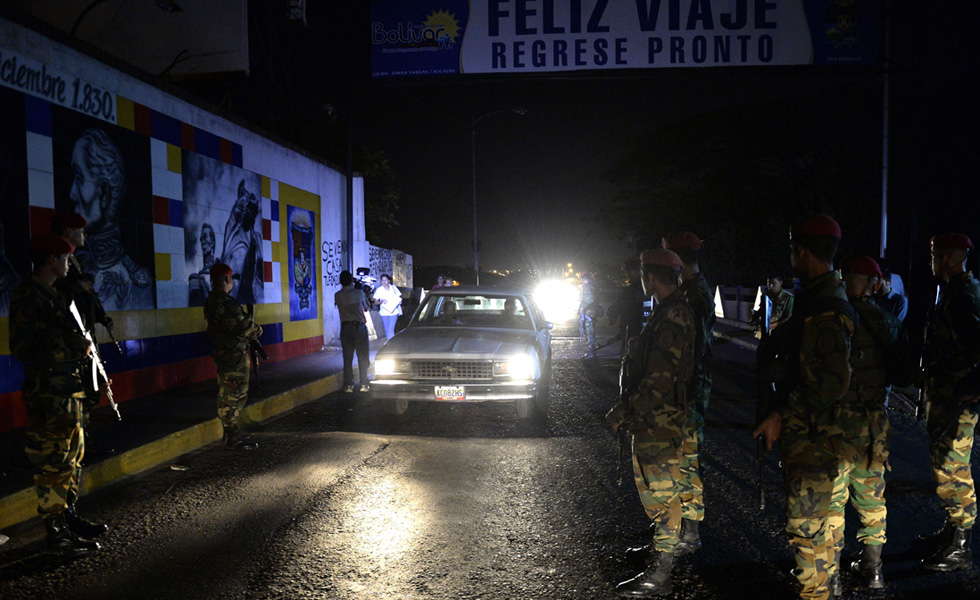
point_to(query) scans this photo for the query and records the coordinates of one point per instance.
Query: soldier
(659, 415)
(587, 313)
(815, 350)
(950, 372)
(47, 339)
(231, 331)
(79, 287)
(626, 313)
(695, 291)
(880, 355)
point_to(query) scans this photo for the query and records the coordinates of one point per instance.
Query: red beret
(952, 240)
(681, 239)
(220, 270)
(69, 220)
(865, 265)
(662, 258)
(816, 225)
(51, 243)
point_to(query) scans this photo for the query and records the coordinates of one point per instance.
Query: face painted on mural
(86, 191)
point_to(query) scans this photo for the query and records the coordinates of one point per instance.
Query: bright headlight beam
(385, 366)
(558, 300)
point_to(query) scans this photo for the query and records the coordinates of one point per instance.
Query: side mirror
(549, 325)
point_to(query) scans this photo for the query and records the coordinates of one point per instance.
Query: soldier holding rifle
(951, 374)
(658, 414)
(47, 339)
(811, 365)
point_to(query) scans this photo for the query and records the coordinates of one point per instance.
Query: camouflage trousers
(659, 482)
(949, 453)
(810, 467)
(692, 490)
(232, 392)
(862, 481)
(588, 332)
(55, 445)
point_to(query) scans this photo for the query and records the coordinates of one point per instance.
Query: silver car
(469, 344)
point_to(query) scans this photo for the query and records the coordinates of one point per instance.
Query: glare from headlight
(517, 367)
(558, 300)
(385, 366)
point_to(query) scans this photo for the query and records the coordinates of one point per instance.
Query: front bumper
(401, 389)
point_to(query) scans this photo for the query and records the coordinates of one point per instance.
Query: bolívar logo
(439, 29)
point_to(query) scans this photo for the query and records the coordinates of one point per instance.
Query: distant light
(558, 300)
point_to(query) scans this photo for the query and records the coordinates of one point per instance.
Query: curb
(22, 506)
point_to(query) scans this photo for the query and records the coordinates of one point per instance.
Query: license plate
(450, 392)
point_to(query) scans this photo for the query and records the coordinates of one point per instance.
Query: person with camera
(352, 305)
(231, 331)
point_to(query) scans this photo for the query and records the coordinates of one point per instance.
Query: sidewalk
(157, 429)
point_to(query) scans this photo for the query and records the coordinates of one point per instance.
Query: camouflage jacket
(952, 350)
(878, 335)
(823, 339)
(46, 338)
(697, 295)
(662, 403)
(587, 305)
(229, 328)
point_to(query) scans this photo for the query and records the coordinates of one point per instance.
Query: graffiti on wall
(300, 264)
(222, 223)
(379, 261)
(332, 256)
(103, 172)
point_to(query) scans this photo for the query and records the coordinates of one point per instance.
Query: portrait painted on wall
(103, 172)
(301, 265)
(222, 223)
(14, 232)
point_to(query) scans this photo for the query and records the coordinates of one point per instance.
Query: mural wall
(168, 190)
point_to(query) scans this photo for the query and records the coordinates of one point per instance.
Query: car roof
(487, 290)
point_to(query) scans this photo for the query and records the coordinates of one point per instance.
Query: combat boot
(236, 440)
(932, 542)
(81, 527)
(955, 555)
(869, 566)
(61, 540)
(639, 555)
(654, 581)
(690, 541)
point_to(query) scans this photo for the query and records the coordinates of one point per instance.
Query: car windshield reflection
(474, 310)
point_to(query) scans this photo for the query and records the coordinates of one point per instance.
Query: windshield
(474, 310)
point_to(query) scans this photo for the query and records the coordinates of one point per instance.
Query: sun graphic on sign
(444, 25)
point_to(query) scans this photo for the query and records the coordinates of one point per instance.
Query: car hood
(448, 340)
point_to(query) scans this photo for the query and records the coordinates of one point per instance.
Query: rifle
(255, 349)
(626, 389)
(921, 411)
(113, 338)
(97, 368)
(766, 393)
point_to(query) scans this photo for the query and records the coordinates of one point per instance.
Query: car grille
(452, 370)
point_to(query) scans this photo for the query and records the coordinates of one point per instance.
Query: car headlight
(515, 367)
(385, 366)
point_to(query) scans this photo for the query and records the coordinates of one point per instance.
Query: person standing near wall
(230, 331)
(47, 339)
(352, 305)
(390, 301)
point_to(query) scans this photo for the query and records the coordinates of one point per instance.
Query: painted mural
(14, 256)
(301, 266)
(103, 172)
(222, 223)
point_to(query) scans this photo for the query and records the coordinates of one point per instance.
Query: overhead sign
(435, 37)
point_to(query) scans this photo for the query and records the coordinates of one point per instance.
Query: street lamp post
(520, 110)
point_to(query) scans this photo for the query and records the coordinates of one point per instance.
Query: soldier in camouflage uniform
(863, 421)
(695, 291)
(47, 339)
(231, 331)
(587, 313)
(817, 350)
(952, 388)
(659, 415)
(79, 286)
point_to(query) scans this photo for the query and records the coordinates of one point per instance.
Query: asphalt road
(456, 502)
